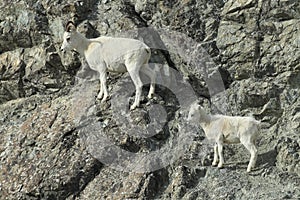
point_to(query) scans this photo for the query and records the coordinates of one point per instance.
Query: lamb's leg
(253, 151)
(134, 74)
(215, 161)
(220, 150)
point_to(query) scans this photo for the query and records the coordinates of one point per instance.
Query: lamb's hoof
(220, 166)
(133, 107)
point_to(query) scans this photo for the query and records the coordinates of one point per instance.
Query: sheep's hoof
(99, 97)
(105, 99)
(214, 164)
(150, 96)
(220, 166)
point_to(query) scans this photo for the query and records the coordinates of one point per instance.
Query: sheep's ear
(195, 105)
(70, 26)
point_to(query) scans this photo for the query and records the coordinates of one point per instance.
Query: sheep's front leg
(103, 94)
(215, 161)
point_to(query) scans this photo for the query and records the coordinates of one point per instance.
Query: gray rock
(237, 57)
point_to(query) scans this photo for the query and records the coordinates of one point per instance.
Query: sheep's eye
(68, 39)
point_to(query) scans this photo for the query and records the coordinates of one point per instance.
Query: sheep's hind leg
(100, 94)
(152, 75)
(134, 74)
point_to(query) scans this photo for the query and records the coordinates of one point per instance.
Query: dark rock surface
(239, 57)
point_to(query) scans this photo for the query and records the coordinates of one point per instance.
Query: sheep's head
(69, 41)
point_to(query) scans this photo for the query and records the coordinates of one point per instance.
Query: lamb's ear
(197, 102)
(70, 26)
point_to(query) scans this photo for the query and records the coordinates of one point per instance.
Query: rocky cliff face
(238, 57)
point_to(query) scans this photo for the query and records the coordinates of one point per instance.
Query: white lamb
(115, 55)
(226, 129)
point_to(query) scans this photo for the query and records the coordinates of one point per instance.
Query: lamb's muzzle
(225, 130)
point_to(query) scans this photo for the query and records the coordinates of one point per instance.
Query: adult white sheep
(112, 54)
(227, 130)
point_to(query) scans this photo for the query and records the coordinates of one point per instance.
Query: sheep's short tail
(261, 125)
(163, 73)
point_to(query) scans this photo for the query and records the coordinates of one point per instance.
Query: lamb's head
(69, 37)
(197, 114)
(194, 115)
